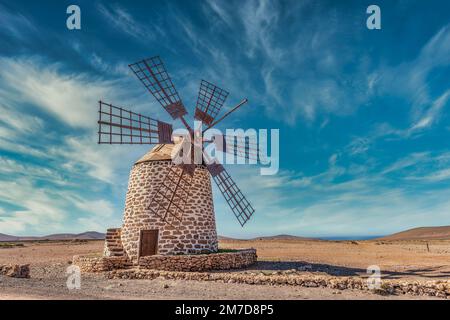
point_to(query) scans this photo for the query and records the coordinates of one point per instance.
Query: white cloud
(409, 161)
(59, 170)
(99, 62)
(46, 210)
(332, 160)
(72, 98)
(435, 176)
(14, 123)
(16, 146)
(409, 79)
(216, 7)
(15, 24)
(367, 201)
(430, 116)
(260, 19)
(42, 209)
(96, 213)
(377, 214)
(124, 22)
(83, 155)
(13, 168)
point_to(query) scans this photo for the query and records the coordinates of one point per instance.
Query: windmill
(170, 194)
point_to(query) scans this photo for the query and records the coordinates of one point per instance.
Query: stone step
(113, 254)
(113, 234)
(115, 246)
(114, 250)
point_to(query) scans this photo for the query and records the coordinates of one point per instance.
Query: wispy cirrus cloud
(124, 21)
(343, 201)
(39, 211)
(16, 25)
(301, 72)
(12, 123)
(430, 116)
(410, 79)
(69, 97)
(409, 161)
(52, 164)
(216, 8)
(310, 65)
(13, 168)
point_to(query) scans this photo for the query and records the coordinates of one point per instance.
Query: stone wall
(202, 262)
(100, 264)
(437, 288)
(197, 231)
(197, 262)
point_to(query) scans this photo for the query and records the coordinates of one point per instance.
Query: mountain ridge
(88, 235)
(421, 233)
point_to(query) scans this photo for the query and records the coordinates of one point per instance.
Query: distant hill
(90, 235)
(422, 233)
(277, 237)
(282, 237)
(6, 237)
(223, 238)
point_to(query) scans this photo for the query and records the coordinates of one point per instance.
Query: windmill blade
(240, 206)
(119, 126)
(240, 104)
(240, 146)
(153, 74)
(169, 200)
(210, 99)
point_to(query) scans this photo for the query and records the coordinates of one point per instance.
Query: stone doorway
(148, 244)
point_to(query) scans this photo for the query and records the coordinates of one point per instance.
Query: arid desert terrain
(397, 259)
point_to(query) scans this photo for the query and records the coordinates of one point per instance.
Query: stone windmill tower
(169, 205)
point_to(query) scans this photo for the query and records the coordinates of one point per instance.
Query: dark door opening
(149, 243)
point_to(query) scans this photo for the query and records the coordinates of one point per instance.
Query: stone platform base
(236, 259)
(100, 264)
(200, 262)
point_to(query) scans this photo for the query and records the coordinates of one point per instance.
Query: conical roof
(158, 153)
(161, 152)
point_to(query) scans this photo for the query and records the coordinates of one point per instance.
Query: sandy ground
(408, 259)
(396, 259)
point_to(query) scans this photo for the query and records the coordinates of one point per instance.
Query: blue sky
(363, 115)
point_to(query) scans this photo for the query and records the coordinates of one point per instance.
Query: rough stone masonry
(236, 259)
(197, 231)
